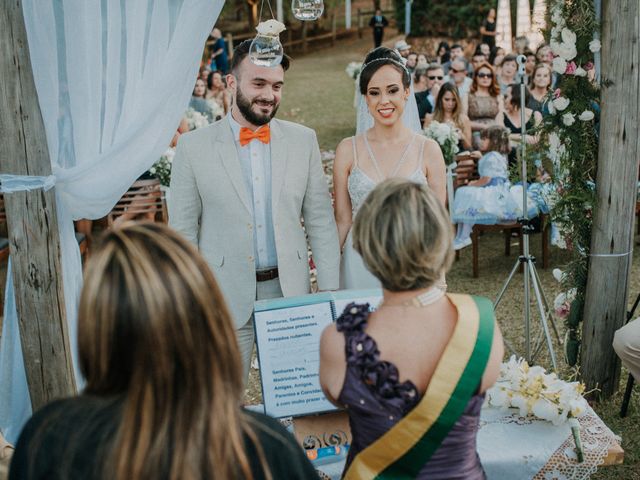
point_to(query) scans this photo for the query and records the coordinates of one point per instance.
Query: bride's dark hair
(377, 58)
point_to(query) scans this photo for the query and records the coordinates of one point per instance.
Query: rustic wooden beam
(618, 154)
(32, 220)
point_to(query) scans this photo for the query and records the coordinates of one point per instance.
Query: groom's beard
(245, 106)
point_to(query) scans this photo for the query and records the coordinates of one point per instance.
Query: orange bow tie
(263, 134)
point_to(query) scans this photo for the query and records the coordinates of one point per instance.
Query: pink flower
(588, 66)
(557, 93)
(563, 310)
(571, 68)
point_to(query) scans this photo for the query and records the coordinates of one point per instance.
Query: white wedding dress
(353, 273)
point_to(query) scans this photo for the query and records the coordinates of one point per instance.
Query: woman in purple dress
(411, 375)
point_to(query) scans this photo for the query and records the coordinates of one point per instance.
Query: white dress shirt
(255, 160)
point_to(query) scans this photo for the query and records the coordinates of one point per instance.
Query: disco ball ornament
(266, 49)
(307, 10)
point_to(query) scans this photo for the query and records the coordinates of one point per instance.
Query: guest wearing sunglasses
(430, 80)
(484, 103)
(458, 77)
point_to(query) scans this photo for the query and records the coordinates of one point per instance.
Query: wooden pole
(32, 221)
(334, 26)
(612, 237)
(304, 37)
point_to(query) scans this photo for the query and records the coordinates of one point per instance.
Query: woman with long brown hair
(448, 109)
(484, 103)
(164, 385)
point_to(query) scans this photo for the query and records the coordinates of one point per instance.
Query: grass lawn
(319, 94)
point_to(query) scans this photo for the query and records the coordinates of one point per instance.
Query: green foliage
(455, 19)
(576, 161)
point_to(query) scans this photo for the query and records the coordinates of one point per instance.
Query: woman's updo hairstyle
(377, 58)
(404, 235)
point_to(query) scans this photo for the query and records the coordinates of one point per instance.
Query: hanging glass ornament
(307, 9)
(266, 49)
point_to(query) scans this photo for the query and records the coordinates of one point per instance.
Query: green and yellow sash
(402, 451)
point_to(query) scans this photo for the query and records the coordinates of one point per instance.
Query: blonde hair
(155, 331)
(404, 235)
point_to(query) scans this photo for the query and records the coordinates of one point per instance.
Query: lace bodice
(360, 184)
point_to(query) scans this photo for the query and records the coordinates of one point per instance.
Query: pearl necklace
(425, 299)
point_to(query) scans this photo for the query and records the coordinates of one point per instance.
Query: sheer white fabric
(410, 115)
(113, 79)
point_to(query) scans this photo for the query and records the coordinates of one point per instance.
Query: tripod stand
(531, 277)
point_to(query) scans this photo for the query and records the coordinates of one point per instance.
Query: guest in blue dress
(413, 404)
(491, 199)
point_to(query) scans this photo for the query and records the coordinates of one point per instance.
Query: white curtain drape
(113, 78)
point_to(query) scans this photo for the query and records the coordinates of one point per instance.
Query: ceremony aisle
(319, 94)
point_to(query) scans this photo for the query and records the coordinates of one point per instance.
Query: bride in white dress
(388, 149)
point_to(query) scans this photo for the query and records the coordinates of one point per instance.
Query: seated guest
(164, 378)
(512, 121)
(449, 110)
(198, 102)
(478, 59)
(443, 53)
(626, 343)
(423, 61)
(412, 61)
(433, 78)
(217, 91)
(457, 53)
(539, 87)
(508, 71)
(396, 369)
(458, 77)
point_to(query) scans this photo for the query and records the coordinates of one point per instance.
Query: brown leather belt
(264, 275)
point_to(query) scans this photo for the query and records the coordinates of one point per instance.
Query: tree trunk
(607, 284)
(32, 220)
(252, 13)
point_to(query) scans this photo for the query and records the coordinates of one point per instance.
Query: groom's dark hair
(242, 50)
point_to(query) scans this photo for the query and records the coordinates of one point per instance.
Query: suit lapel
(278, 162)
(225, 148)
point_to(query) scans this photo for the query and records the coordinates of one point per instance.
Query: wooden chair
(145, 200)
(629, 388)
(466, 171)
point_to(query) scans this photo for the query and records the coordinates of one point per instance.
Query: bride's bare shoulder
(344, 153)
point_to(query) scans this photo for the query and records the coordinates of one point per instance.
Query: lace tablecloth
(512, 447)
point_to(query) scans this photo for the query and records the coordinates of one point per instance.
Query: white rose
(586, 116)
(580, 72)
(559, 65)
(569, 51)
(545, 410)
(568, 36)
(595, 45)
(561, 103)
(556, 272)
(568, 119)
(551, 108)
(270, 28)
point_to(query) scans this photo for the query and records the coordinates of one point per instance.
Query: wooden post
(612, 238)
(359, 23)
(32, 220)
(304, 37)
(229, 42)
(334, 26)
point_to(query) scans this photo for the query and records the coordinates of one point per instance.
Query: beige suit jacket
(210, 205)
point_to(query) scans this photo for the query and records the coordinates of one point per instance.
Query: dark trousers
(377, 37)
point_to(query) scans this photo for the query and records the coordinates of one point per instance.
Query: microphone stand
(531, 277)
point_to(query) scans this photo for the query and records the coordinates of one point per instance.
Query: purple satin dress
(376, 400)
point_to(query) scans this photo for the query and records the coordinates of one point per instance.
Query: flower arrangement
(447, 137)
(353, 69)
(569, 140)
(543, 395)
(162, 168)
(217, 110)
(195, 119)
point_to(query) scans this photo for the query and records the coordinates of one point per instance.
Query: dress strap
(421, 155)
(355, 151)
(398, 163)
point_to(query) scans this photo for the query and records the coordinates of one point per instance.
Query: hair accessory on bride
(384, 59)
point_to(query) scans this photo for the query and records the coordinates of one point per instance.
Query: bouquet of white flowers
(217, 110)
(162, 168)
(447, 137)
(195, 119)
(535, 392)
(353, 69)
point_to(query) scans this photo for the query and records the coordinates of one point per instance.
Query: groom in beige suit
(238, 190)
